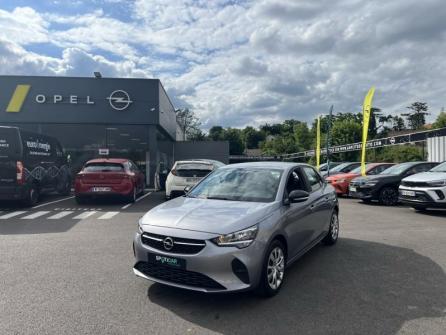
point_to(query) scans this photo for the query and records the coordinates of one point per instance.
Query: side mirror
(187, 189)
(298, 196)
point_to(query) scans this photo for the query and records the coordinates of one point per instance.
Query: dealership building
(109, 117)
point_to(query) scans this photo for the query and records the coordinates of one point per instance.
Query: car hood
(380, 178)
(208, 215)
(342, 176)
(426, 176)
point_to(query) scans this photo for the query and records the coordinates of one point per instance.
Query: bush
(400, 154)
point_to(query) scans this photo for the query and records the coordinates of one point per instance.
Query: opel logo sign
(168, 243)
(119, 100)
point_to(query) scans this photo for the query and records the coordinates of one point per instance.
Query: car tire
(273, 270)
(66, 188)
(366, 201)
(133, 195)
(333, 232)
(32, 196)
(388, 196)
(80, 200)
(420, 208)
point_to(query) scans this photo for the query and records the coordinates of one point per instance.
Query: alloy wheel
(389, 196)
(334, 226)
(276, 268)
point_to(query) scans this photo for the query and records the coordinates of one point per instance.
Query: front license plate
(173, 262)
(352, 189)
(100, 189)
(408, 193)
(192, 180)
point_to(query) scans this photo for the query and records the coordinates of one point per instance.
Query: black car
(31, 164)
(384, 187)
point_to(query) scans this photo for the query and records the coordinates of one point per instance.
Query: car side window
(313, 177)
(295, 182)
(378, 169)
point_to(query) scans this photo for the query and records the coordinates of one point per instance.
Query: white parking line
(138, 199)
(11, 215)
(52, 202)
(84, 215)
(35, 215)
(142, 197)
(107, 215)
(60, 215)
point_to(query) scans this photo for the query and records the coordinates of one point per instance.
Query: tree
(216, 133)
(346, 131)
(196, 135)
(252, 137)
(302, 137)
(188, 121)
(398, 123)
(401, 153)
(416, 118)
(440, 122)
(234, 137)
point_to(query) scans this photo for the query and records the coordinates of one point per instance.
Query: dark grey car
(238, 229)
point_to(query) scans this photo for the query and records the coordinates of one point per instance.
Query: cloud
(243, 62)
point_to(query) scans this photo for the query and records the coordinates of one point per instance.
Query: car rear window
(104, 167)
(9, 142)
(193, 169)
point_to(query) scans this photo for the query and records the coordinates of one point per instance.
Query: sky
(240, 62)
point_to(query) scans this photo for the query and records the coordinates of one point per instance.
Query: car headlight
(140, 230)
(341, 181)
(437, 183)
(240, 239)
(371, 182)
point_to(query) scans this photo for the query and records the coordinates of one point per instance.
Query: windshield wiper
(217, 198)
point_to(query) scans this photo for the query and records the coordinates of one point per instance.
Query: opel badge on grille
(168, 243)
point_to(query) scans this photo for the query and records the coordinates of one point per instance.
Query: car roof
(195, 161)
(266, 165)
(108, 160)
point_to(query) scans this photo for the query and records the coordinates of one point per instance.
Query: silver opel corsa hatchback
(238, 229)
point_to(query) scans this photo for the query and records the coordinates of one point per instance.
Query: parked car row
(421, 185)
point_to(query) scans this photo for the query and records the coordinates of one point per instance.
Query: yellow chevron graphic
(19, 96)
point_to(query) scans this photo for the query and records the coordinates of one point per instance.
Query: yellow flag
(366, 108)
(318, 143)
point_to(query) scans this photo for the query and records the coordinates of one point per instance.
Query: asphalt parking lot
(66, 269)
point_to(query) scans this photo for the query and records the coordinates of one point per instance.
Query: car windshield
(239, 184)
(339, 167)
(358, 169)
(439, 168)
(193, 169)
(398, 169)
(104, 167)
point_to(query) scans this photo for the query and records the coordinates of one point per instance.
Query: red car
(107, 177)
(341, 181)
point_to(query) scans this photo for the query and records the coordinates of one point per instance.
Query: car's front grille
(359, 182)
(419, 196)
(414, 184)
(180, 245)
(178, 276)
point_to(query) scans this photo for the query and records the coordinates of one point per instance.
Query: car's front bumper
(363, 192)
(212, 262)
(424, 197)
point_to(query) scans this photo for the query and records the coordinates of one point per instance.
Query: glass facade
(82, 142)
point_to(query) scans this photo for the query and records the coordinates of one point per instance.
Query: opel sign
(119, 100)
